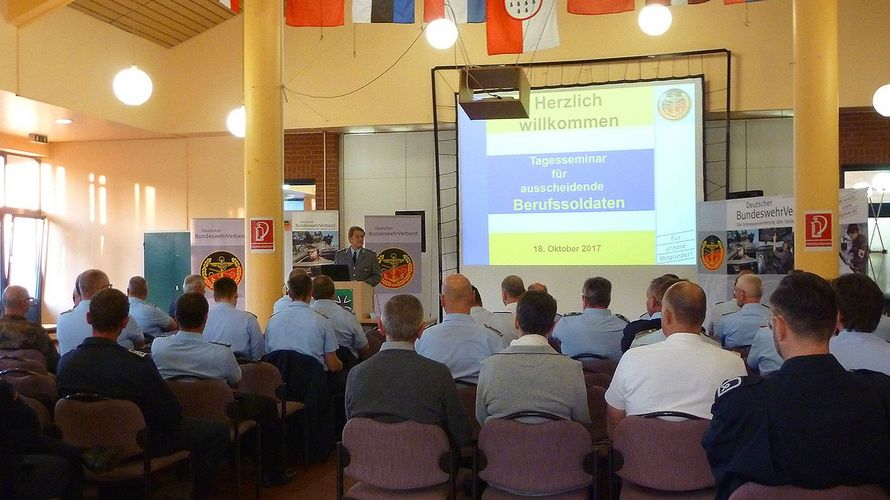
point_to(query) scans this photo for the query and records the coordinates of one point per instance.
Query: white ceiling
(20, 116)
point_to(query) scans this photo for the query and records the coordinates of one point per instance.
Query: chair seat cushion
(492, 493)
(364, 491)
(131, 469)
(631, 491)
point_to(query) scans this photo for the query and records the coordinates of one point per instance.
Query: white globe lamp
(132, 86)
(236, 122)
(655, 19)
(881, 100)
(441, 33)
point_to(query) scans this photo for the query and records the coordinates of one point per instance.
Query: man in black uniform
(811, 423)
(654, 294)
(99, 365)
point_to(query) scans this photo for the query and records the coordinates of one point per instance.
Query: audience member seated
(191, 283)
(811, 424)
(229, 325)
(763, 355)
(458, 341)
(398, 384)
(737, 329)
(16, 332)
(680, 374)
(501, 325)
(654, 293)
(346, 327)
(537, 286)
(32, 464)
(282, 303)
(101, 366)
(596, 330)
(529, 375)
(860, 303)
(73, 328)
(151, 319)
(187, 352)
(300, 328)
(511, 289)
(723, 308)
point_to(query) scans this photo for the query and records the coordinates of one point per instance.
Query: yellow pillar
(263, 150)
(816, 153)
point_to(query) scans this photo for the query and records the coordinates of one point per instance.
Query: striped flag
(459, 11)
(313, 12)
(383, 11)
(674, 2)
(730, 2)
(596, 7)
(233, 5)
(517, 26)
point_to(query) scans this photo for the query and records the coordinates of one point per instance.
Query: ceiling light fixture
(64, 121)
(655, 19)
(441, 33)
(881, 100)
(236, 122)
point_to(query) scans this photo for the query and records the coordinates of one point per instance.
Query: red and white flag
(233, 5)
(517, 26)
(313, 13)
(597, 7)
(674, 2)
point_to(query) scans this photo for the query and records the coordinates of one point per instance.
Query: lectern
(358, 295)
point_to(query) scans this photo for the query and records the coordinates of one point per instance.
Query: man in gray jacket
(529, 375)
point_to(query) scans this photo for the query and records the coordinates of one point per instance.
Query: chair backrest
(395, 456)
(467, 395)
(597, 379)
(596, 406)
(211, 399)
(596, 365)
(32, 384)
(375, 341)
(754, 491)
(36, 358)
(40, 409)
(90, 421)
(540, 459)
(663, 455)
(261, 378)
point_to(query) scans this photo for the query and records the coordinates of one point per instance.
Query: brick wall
(864, 137)
(315, 156)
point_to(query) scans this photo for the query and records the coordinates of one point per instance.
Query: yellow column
(263, 150)
(815, 129)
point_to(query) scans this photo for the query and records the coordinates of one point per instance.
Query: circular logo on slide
(674, 104)
(221, 264)
(396, 266)
(712, 252)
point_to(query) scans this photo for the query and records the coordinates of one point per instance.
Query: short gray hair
(402, 317)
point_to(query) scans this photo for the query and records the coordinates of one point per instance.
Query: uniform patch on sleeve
(728, 385)
(139, 353)
(321, 314)
(495, 330)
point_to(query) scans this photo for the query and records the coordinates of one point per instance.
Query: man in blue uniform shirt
(282, 303)
(860, 303)
(811, 423)
(303, 329)
(187, 352)
(346, 327)
(151, 319)
(737, 329)
(596, 330)
(101, 366)
(763, 355)
(458, 341)
(228, 325)
(362, 263)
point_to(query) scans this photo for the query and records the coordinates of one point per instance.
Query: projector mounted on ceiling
(494, 81)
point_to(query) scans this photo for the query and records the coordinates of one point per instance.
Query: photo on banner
(218, 251)
(313, 237)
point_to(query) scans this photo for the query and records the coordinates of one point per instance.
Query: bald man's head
(137, 287)
(748, 289)
(16, 300)
(537, 287)
(457, 294)
(91, 281)
(683, 308)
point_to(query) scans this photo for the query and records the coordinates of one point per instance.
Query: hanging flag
(674, 2)
(596, 7)
(459, 11)
(233, 5)
(517, 26)
(730, 2)
(383, 11)
(313, 12)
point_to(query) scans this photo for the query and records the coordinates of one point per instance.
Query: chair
(597, 379)
(40, 409)
(659, 458)
(596, 407)
(521, 459)
(89, 420)
(32, 384)
(212, 399)
(265, 380)
(375, 341)
(594, 363)
(375, 453)
(466, 393)
(754, 491)
(29, 359)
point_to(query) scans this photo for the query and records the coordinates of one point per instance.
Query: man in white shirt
(860, 304)
(512, 288)
(501, 325)
(680, 374)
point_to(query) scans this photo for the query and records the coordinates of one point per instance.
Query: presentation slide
(597, 175)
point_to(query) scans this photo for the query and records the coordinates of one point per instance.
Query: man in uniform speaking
(362, 262)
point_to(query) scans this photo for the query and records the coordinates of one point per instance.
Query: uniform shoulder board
(646, 332)
(734, 383)
(252, 314)
(495, 330)
(727, 313)
(66, 312)
(221, 343)
(139, 353)
(566, 315)
(621, 317)
(323, 315)
(724, 302)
